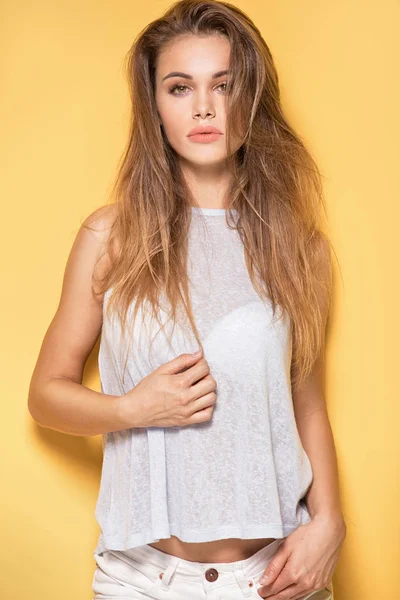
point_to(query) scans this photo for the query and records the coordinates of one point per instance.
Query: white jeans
(145, 572)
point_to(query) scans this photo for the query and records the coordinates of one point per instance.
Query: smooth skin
(186, 103)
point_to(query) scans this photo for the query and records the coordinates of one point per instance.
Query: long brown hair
(276, 188)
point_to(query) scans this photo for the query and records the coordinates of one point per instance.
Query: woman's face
(195, 97)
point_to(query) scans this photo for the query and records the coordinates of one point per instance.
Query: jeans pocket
(321, 594)
(114, 570)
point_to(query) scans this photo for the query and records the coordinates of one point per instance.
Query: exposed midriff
(227, 550)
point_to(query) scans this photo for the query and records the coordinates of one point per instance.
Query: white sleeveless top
(244, 473)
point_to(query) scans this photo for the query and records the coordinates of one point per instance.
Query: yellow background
(63, 126)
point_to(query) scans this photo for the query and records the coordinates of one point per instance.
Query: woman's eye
(176, 86)
(181, 85)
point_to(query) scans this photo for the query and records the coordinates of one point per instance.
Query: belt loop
(169, 571)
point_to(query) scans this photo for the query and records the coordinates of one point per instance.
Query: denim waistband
(189, 569)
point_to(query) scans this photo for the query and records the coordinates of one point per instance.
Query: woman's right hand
(179, 392)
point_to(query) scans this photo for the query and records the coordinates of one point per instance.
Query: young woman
(219, 466)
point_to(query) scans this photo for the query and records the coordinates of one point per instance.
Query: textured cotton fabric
(244, 473)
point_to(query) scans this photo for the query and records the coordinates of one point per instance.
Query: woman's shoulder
(99, 223)
(101, 220)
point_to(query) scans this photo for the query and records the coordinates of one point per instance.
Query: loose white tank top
(242, 474)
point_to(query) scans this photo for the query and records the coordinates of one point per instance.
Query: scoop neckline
(211, 211)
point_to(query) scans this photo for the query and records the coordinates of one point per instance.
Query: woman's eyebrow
(186, 76)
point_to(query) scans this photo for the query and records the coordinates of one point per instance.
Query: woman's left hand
(305, 560)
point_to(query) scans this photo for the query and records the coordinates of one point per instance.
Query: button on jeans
(144, 572)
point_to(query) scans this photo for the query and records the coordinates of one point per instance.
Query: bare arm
(323, 499)
(70, 407)
(57, 399)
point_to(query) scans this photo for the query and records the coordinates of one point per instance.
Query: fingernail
(264, 579)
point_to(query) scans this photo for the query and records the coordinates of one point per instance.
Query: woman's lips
(204, 138)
